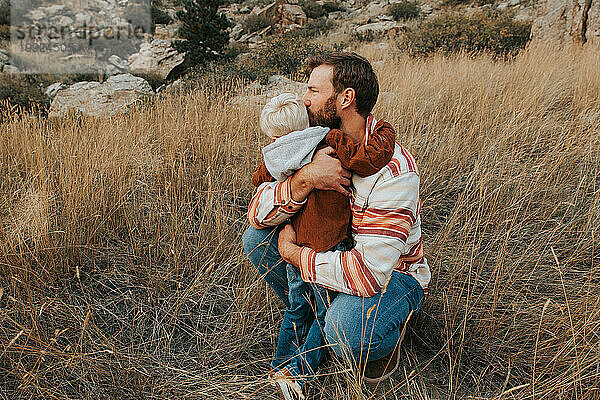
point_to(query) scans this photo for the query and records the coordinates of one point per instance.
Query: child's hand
(288, 250)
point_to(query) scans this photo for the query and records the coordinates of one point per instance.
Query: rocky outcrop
(568, 21)
(4, 58)
(94, 98)
(157, 57)
(284, 14)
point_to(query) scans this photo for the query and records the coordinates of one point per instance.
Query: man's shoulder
(402, 162)
(398, 176)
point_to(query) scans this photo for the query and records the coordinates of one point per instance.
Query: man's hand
(327, 173)
(288, 250)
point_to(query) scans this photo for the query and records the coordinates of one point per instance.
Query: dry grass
(122, 274)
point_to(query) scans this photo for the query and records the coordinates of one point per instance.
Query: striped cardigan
(386, 226)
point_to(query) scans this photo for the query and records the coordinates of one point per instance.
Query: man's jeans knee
(366, 329)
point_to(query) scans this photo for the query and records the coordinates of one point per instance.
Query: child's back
(325, 219)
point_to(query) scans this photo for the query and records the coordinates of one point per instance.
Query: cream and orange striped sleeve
(388, 224)
(270, 196)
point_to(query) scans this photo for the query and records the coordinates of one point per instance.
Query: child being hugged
(323, 224)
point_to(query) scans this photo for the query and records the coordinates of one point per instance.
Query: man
(383, 279)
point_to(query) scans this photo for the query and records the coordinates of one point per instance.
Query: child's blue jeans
(301, 344)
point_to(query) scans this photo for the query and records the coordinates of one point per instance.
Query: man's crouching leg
(260, 245)
(365, 329)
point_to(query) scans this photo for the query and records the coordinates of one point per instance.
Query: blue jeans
(357, 328)
(302, 320)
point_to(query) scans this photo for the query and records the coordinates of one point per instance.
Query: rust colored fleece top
(325, 219)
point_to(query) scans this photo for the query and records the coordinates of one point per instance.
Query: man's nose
(306, 100)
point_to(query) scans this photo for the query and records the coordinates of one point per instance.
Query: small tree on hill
(203, 29)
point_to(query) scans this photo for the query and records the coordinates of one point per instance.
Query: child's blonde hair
(283, 114)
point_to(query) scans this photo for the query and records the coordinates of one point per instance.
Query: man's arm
(274, 202)
(384, 238)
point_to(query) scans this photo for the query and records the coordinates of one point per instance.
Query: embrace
(335, 226)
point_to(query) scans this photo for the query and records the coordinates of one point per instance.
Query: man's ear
(348, 98)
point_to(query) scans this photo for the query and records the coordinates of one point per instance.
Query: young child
(322, 224)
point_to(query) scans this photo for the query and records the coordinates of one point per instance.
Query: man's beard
(327, 116)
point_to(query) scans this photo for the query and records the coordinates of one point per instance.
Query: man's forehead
(321, 76)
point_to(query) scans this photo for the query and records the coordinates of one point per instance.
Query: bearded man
(384, 278)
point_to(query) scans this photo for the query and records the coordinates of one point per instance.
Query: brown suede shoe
(379, 370)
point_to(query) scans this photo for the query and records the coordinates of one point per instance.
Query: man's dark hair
(350, 71)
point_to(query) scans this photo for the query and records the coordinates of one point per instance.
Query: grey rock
(11, 69)
(111, 70)
(36, 15)
(502, 6)
(568, 21)
(426, 9)
(245, 10)
(82, 18)
(4, 59)
(65, 21)
(94, 98)
(156, 57)
(55, 9)
(53, 89)
(237, 31)
(119, 63)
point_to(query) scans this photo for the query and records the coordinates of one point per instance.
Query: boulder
(118, 62)
(53, 89)
(82, 18)
(568, 21)
(94, 98)
(284, 14)
(36, 15)
(55, 9)
(65, 21)
(156, 57)
(4, 59)
(426, 9)
(161, 32)
(237, 32)
(10, 69)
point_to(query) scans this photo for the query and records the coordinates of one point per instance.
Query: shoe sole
(397, 360)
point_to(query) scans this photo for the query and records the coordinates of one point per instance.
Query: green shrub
(313, 28)
(364, 37)
(312, 9)
(24, 91)
(159, 16)
(404, 10)
(4, 32)
(253, 23)
(486, 31)
(332, 6)
(280, 55)
(234, 49)
(204, 31)
(4, 12)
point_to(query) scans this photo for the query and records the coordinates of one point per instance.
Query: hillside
(122, 273)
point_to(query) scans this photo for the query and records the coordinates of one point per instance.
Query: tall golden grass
(122, 274)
